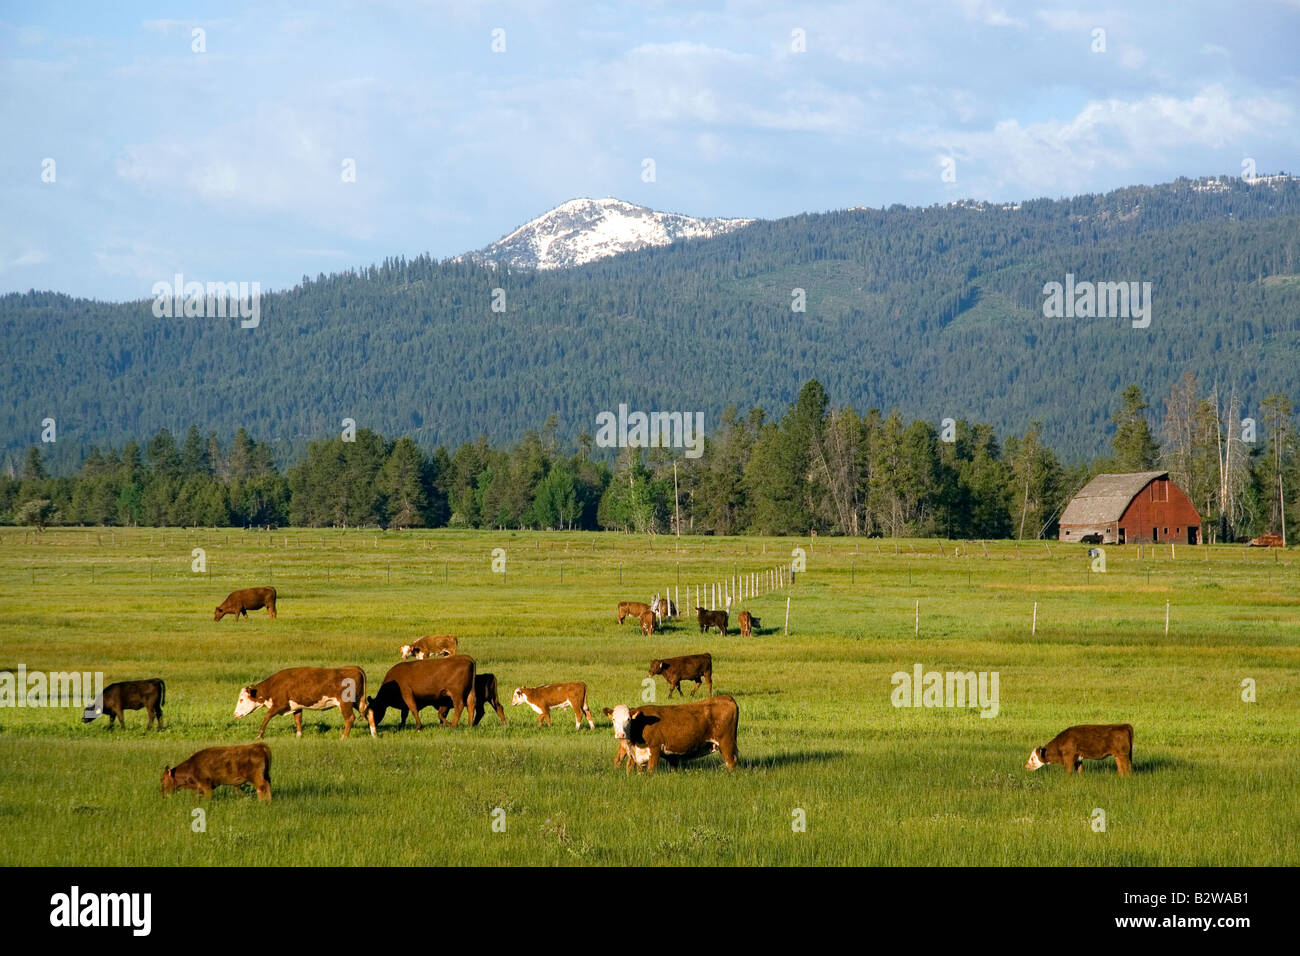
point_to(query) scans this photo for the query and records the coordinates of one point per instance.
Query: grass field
(1215, 778)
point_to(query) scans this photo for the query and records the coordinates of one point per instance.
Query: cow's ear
(1042, 753)
(609, 712)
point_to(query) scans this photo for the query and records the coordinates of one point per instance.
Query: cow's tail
(472, 702)
(162, 691)
(361, 692)
(1129, 727)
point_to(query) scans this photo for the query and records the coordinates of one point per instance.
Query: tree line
(816, 468)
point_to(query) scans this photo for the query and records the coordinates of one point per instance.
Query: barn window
(1159, 491)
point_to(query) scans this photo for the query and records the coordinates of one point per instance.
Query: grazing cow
(485, 693)
(696, 667)
(295, 689)
(684, 732)
(241, 602)
(710, 619)
(435, 682)
(648, 623)
(663, 607)
(631, 609)
(747, 624)
(147, 695)
(1090, 539)
(218, 766)
(543, 699)
(1072, 746)
(435, 645)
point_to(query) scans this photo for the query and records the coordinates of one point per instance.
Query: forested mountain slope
(938, 311)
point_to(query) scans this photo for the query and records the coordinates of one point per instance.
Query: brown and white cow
(433, 682)
(550, 697)
(147, 695)
(648, 623)
(634, 609)
(683, 732)
(1072, 746)
(222, 766)
(696, 667)
(747, 624)
(485, 695)
(433, 645)
(241, 602)
(295, 689)
(710, 619)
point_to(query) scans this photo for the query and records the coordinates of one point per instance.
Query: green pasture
(1215, 782)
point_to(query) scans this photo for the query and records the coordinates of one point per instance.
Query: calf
(147, 695)
(663, 607)
(249, 599)
(485, 693)
(218, 766)
(648, 623)
(542, 699)
(1072, 746)
(710, 619)
(696, 667)
(631, 609)
(296, 689)
(435, 682)
(435, 645)
(747, 624)
(684, 732)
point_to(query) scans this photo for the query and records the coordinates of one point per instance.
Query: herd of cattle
(433, 673)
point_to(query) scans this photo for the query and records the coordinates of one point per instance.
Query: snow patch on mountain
(584, 230)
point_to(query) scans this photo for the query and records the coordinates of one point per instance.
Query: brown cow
(747, 624)
(631, 609)
(485, 694)
(710, 619)
(241, 602)
(296, 689)
(1270, 540)
(696, 667)
(1072, 746)
(411, 685)
(218, 766)
(434, 645)
(648, 623)
(147, 695)
(542, 699)
(684, 732)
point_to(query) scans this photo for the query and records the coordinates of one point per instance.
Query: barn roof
(1105, 498)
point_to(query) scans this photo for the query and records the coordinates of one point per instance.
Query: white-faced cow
(550, 697)
(683, 732)
(435, 645)
(1072, 746)
(295, 689)
(147, 695)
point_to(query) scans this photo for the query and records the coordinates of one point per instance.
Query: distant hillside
(938, 311)
(583, 230)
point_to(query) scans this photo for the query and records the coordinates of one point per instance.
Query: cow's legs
(442, 712)
(297, 723)
(348, 717)
(270, 609)
(696, 689)
(1124, 763)
(263, 785)
(708, 677)
(501, 711)
(590, 722)
(654, 759)
(265, 720)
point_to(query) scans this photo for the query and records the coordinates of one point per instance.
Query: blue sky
(226, 164)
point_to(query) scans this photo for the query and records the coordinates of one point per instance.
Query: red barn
(1131, 509)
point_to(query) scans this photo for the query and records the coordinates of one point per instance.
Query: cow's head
(656, 667)
(218, 614)
(249, 702)
(409, 650)
(621, 718)
(753, 621)
(93, 709)
(1036, 759)
(655, 606)
(518, 697)
(168, 781)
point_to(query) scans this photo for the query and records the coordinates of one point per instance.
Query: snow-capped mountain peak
(584, 230)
